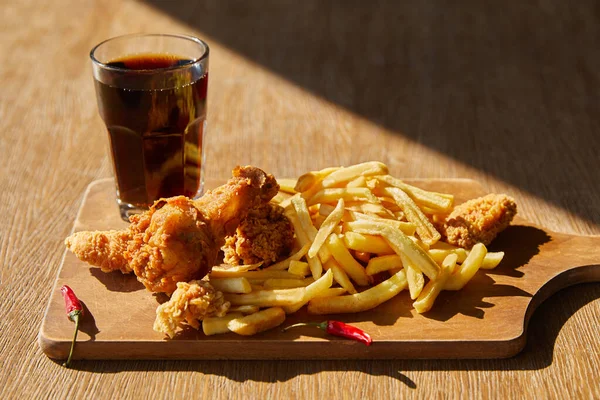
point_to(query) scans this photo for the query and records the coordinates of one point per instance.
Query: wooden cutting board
(487, 319)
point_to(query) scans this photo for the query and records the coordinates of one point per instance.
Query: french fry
(492, 259)
(332, 195)
(237, 268)
(433, 288)
(311, 232)
(247, 309)
(257, 275)
(468, 268)
(257, 322)
(362, 301)
(332, 220)
(217, 325)
(280, 197)
(435, 201)
(287, 185)
(331, 292)
(339, 275)
(346, 261)
(406, 227)
(231, 285)
(383, 263)
(400, 243)
(285, 264)
(377, 210)
(310, 179)
(357, 182)
(414, 277)
(438, 255)
(425, 228)
(299, 268)
(287, 283)
(312, 291)
(302, 235)
(349, 173)
(267, 298)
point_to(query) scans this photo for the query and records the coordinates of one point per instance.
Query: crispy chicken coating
(265, 235)
(178, 239)
(478, 220)
(190, 303)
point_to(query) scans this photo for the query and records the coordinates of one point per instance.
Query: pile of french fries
(362, 237)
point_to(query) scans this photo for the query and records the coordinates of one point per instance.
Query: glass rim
(153, 70)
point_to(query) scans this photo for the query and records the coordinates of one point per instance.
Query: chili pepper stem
(75, 317)
(322, 325)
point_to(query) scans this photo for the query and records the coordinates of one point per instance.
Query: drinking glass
(151, 92)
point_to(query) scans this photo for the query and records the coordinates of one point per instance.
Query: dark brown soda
(155, 134)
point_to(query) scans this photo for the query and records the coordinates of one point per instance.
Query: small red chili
(74, 311)
(338, 328)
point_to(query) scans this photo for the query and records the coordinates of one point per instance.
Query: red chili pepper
(74, 311)
(338, 328)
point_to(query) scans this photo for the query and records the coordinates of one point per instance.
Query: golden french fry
(267, 298)
(366, 243)
(383, 263)
(433, 288)
(299, 268)
(250, 275)
(332, 220)
(347, 174)
(376, 210)
(280, 197)
(310, 179)
(216, 325)
(332, 195)
(425, 228)
(237, 268)
(331, 292)
(257, 322)
(302, 235)
(285, 264)
(468, 268)
(362, 301)
(346, 261)
(440, 202)
(400, 243)
(339, 275)
(287, 185)
(311, 232)
(414, 277)
(438, 255)
(311, 291)
(357, 182)
(492, 259)
(407, 227)
(231, 285)
(287, 283)
(247, 309)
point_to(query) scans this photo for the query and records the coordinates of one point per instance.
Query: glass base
(126, 210)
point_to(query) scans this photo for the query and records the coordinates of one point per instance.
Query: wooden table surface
(505, 93)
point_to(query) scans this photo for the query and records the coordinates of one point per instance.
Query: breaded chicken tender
(178, 239)
(190, 303)
(478, 220)
(265, 235)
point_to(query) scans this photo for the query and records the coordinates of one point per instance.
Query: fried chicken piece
(478, 220)
(178, 239)
(265, 235)
(190, 303)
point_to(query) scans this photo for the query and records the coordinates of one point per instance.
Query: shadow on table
(478, 83)
(544, 328)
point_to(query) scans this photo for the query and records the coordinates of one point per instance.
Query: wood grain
(486, 319)
(506, 94)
